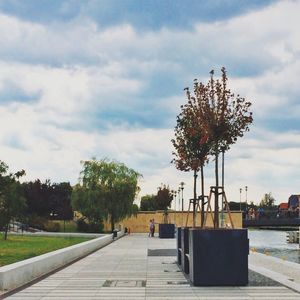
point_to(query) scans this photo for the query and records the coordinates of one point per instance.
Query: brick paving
(124, 270)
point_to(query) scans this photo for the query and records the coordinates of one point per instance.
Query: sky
(83, 79)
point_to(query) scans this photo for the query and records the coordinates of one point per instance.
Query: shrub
(52, 227)
(83, 226)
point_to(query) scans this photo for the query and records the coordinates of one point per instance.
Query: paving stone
(136, 276)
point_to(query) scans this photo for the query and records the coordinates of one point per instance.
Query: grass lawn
(17, 248)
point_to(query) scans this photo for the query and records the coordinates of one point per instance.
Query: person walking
(151, 228)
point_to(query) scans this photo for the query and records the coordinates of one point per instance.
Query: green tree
(163, 200)
(237, 205)
(12, 202)
(47, 199)
(37, 195)
(267, 201)
(89, 201)
(148, 203)
(107, 190)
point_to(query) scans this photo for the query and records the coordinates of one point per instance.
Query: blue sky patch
(13, 93)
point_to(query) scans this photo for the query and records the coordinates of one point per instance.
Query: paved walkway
(124, 270)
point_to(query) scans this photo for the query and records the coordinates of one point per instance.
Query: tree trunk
(195, 198)
(216, 214)
(112, 222)
(202, 196)
(5, 231)
(222, 207)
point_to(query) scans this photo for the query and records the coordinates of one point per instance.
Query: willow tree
(106, 189)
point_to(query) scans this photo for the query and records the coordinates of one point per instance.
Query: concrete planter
(218, 257)
(179, 245)
(166, 231)
(185, 249)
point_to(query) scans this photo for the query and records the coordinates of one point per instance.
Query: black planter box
(185, 249)
(218, 257)
(179, 245)
(167, 231)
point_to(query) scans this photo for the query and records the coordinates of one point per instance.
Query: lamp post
(246, 189)
(182, 187)
(178, 193)
(241, 199)
(175, 194)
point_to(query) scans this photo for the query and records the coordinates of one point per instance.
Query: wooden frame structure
(220, 190)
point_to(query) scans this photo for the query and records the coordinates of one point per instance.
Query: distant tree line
(32, 203)
(267, 203)
(46, 201)
(161, 201)
(12, 202)
(106, 191)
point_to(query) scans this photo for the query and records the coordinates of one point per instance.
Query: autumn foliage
(209, 123)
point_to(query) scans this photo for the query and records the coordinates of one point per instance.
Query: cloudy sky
(105, 78)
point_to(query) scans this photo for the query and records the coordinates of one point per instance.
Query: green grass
(17, 248)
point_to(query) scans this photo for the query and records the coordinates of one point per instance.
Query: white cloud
(77, 70)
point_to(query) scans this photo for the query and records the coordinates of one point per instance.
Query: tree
(219, 117)
(60, 201)
(12, 202)
(89, 201)
(227, 118)
(107, 190)
(237, 205)
(190, 143)
(38, 198)
(163, 200)
(148, 203)
(267, 201)
(48, 200)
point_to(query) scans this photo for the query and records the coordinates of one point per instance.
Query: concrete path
(124, 270)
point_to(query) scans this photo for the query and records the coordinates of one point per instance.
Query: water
(274, 243)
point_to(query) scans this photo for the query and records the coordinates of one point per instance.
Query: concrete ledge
(120, 234)
(59, 234)
(283, 279)
(285, 272)
(20, 273)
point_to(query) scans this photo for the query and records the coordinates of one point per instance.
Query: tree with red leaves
(210, 122)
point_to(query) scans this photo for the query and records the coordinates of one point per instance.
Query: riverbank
(274, 243)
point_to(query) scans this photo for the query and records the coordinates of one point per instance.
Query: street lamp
(246, 189)
(178, 193)
(240, 199)
(175, 193)
(181, 188)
